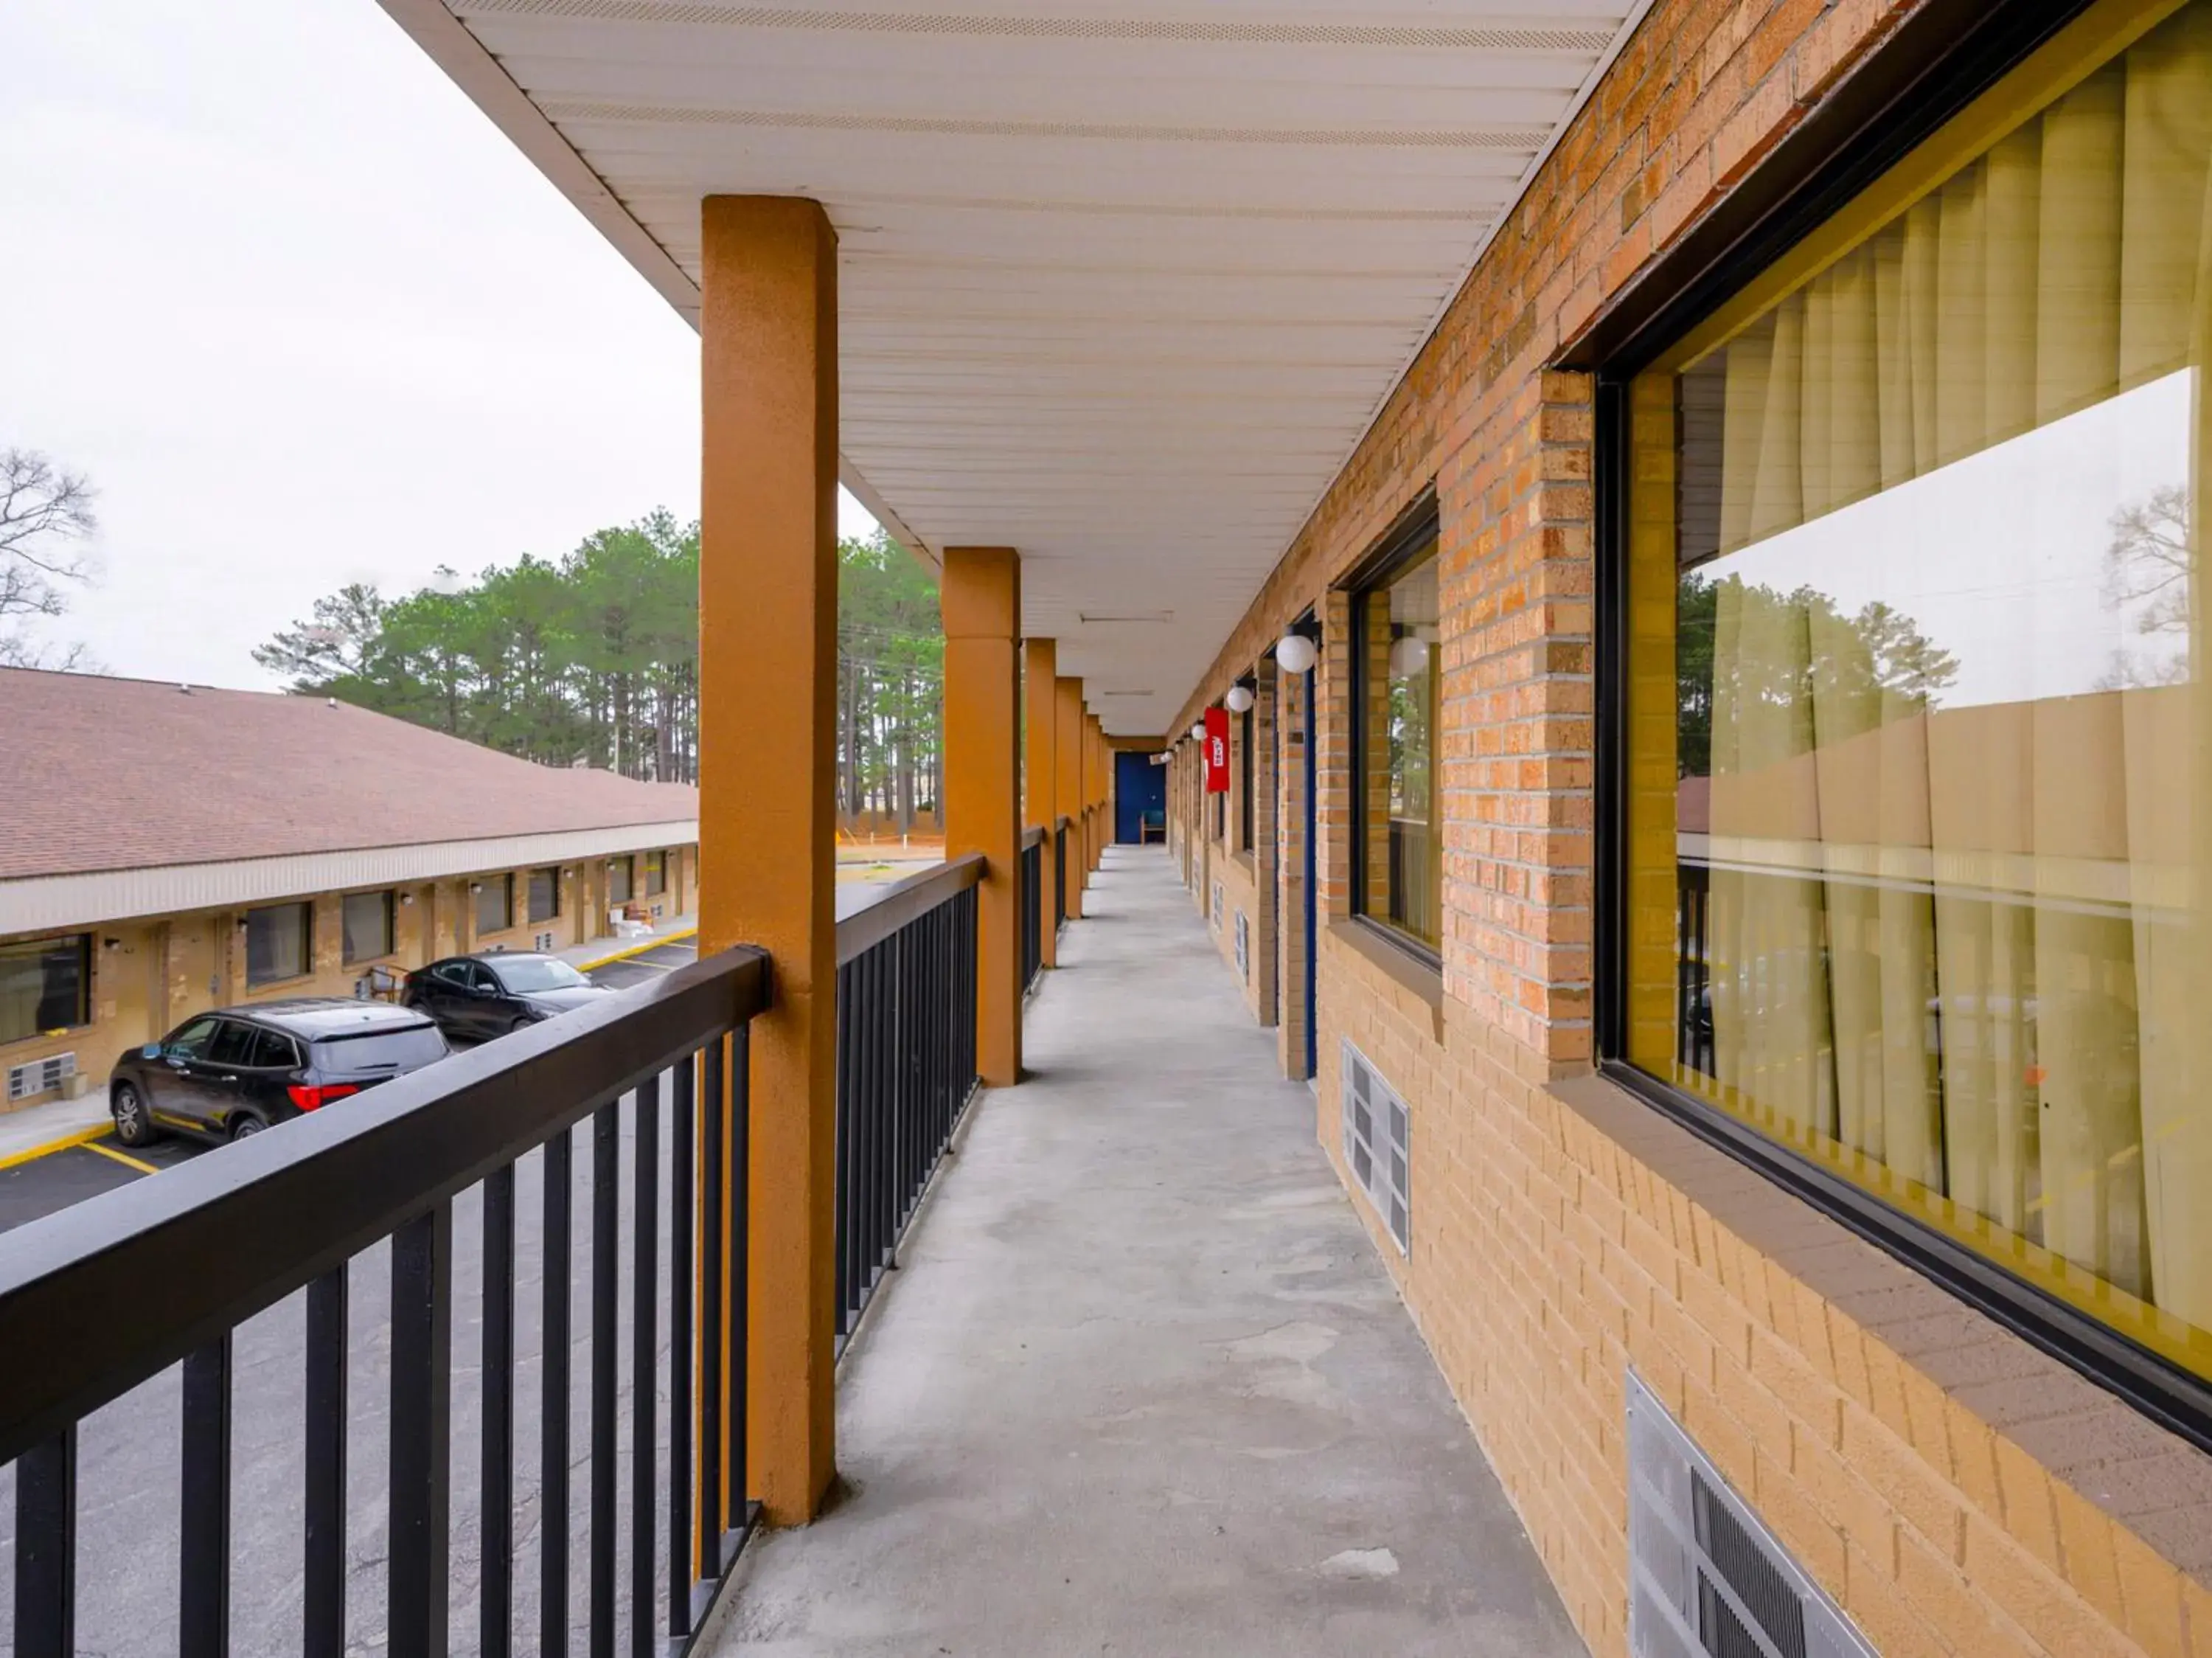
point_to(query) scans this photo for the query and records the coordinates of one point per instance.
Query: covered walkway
(1143, 1386)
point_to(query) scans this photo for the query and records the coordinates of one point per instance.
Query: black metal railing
(906, 1061)
(1060, 873)
(1032, 917)
(421, 1192)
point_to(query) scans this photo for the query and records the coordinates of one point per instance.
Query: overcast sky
(306, 318)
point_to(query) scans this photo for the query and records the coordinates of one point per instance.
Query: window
(1397, 823)
(279, 942)
(621, 872)
(494, 903)
(191, 1041)
(274, 1050)
(46, 984)
(1244, 781)
(233, 1043)
(368, 922)
(1919, 743)
(656, 873)
(544, 895)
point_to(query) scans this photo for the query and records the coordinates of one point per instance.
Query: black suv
(482, 996)
(225, 1075)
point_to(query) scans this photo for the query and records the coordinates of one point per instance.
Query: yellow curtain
(1977, 953)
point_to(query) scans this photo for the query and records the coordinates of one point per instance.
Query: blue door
(1141, 799)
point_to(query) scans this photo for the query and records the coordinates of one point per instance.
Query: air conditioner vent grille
(1377, 1143)
(1707, 1579)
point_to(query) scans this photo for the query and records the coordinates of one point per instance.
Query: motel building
(1653, 1094)
(170, 849)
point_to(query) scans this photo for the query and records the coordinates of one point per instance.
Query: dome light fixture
(1296, 654)
(1409, 657)
(1198, 732)
(1238, 699)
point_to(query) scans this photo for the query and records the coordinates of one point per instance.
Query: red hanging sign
(1216, 751)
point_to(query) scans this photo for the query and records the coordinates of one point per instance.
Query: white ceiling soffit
(1121, 288)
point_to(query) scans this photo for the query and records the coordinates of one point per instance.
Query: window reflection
(1942, 802)
(1397, 625)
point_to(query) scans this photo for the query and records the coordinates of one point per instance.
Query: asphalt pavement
(128, 1455)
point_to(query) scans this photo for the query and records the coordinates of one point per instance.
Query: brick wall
(1957, 1491)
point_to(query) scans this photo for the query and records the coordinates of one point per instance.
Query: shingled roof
(100, 774)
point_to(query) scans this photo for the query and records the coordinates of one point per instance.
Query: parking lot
(70, 1173)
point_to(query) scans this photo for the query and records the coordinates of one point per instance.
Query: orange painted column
(1068, 755)
(1098, 752)
(768, 658)
(1040, 772)
(981, 594)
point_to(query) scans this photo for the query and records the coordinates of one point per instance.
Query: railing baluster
(553, 1406)
(45, 1548)
(606, 1261)
(710, 1312)
(644, 1354)
(843, 1221)
(322, 1574)
(740, 1282)
(682, 1178)
(421, 1420)
(203, 1505)
(495, 1525)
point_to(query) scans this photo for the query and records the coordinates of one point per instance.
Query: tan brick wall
(1957, 1491)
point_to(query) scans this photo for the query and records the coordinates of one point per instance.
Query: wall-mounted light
(407, 898)
(1296, 654)
(111, 943)
(476, 886)
(1409, 657)
(1239, 699)
(1198, 732)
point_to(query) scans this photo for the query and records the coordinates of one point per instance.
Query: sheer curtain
(1970, 944)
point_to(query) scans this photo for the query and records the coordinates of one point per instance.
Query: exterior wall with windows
(148, 974)
(1954, 1488)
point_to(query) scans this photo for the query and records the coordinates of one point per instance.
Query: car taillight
(314, 1096)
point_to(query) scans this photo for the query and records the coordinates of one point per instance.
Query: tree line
(593, 659)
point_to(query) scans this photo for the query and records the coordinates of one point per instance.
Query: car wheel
(134, 1124)
(246, 1127)
(522, 1023)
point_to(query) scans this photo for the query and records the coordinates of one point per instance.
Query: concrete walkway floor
(1143, 1386)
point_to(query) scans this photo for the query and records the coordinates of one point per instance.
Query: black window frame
(1245, 724)
(627, 862)
(551, 875)
(656, 873)
(306, 909)
(485, 888)
(347, 953)
(1413, 537)
(53, 946)
(1937, 62)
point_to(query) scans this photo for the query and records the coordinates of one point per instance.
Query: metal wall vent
(1378, 1142)
(1220, 903)
(1705, 1576)
(1243, 946)
(39, 1075)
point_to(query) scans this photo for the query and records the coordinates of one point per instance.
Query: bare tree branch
(46, 516)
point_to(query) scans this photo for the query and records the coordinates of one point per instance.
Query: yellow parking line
(125, 1158)
(52, 1146)
(683, 937)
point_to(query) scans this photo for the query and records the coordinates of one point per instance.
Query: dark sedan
(481, 997)
(225, 1075)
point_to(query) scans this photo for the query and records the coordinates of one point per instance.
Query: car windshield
(540, 972)
(385, 1050)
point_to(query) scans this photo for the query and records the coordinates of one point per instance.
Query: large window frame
(1410, 541)
(386, 918)
(48, 953)
(489, 892)
(1949, 66)
(300, 917)
(1245, 769)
